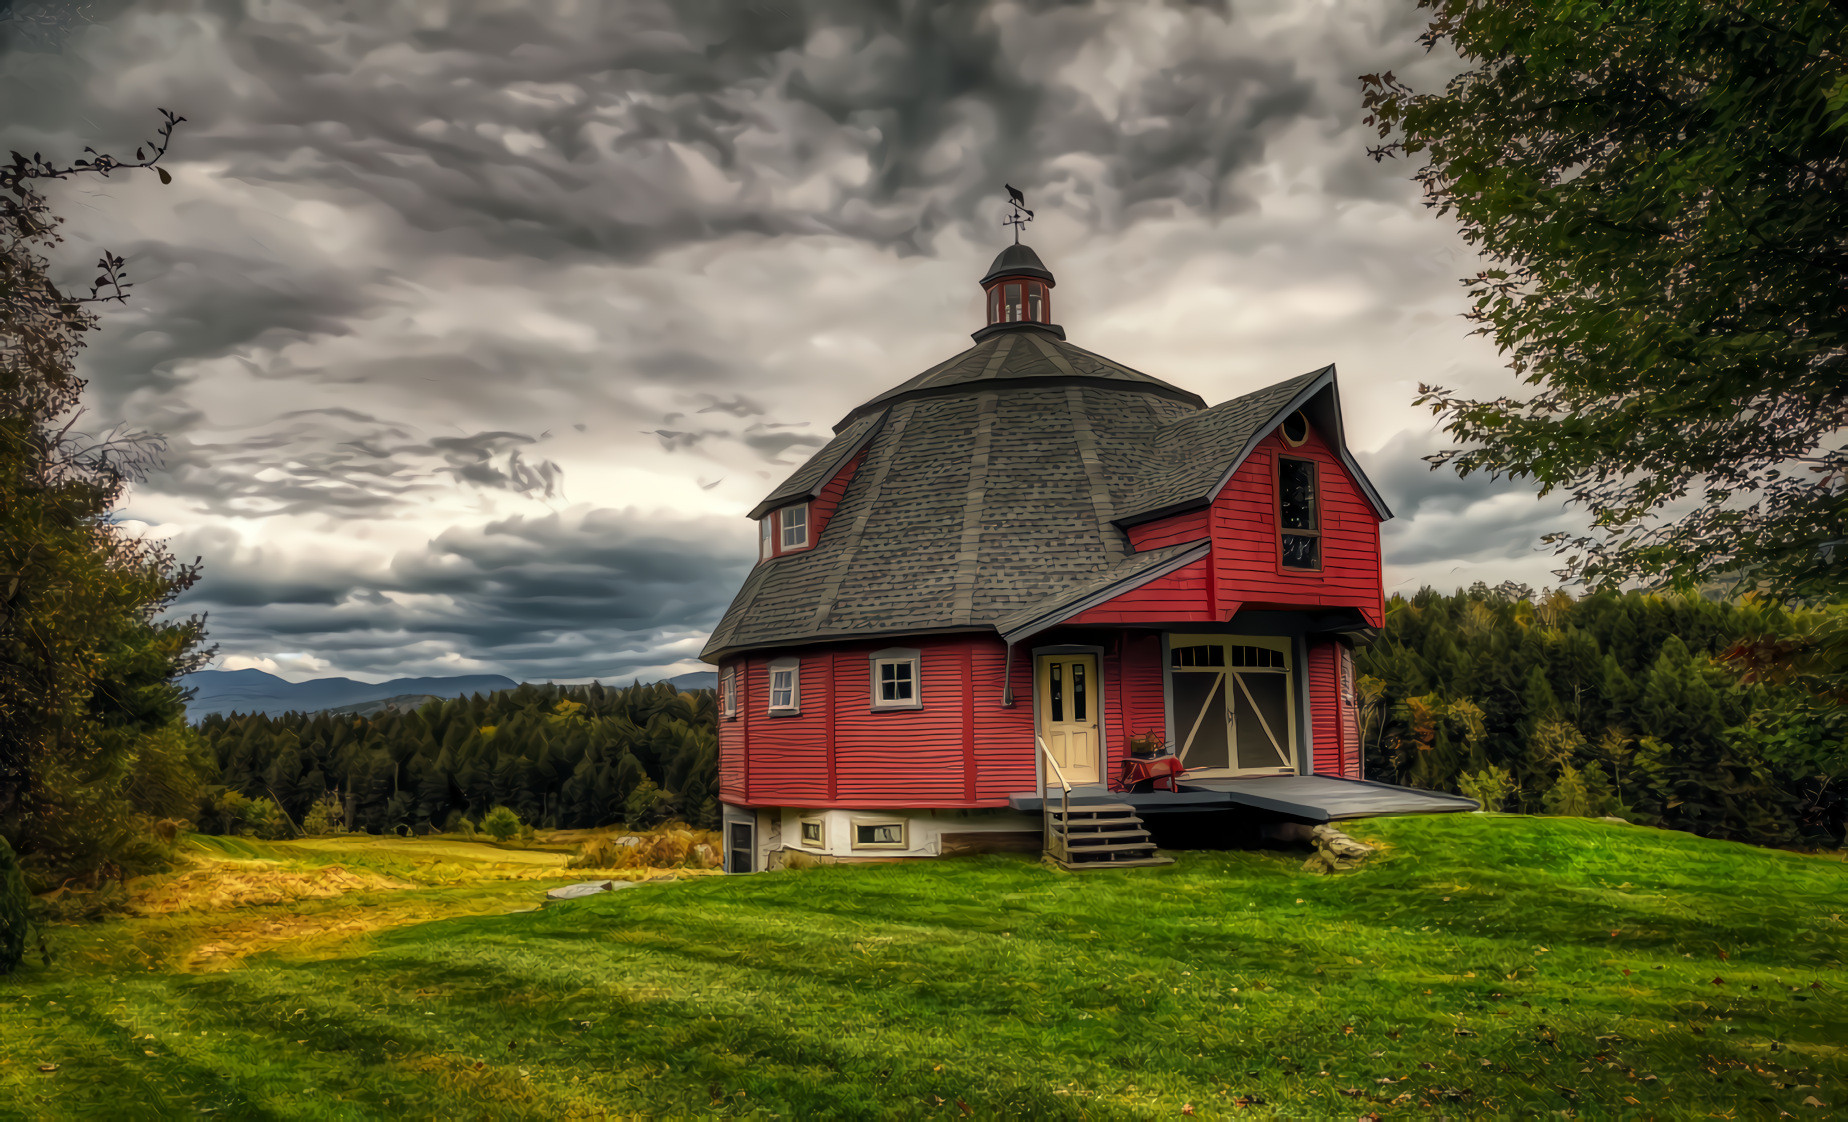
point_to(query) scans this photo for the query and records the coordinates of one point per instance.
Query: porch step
(1100, 836)
(1103, 837)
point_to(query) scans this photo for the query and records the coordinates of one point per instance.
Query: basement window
(1299, 515)
(814, 832)
(785, 687)
(879, 833)
(896, 683)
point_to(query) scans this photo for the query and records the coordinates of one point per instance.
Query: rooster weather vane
(1015, 218)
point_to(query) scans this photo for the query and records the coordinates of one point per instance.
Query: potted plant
(1144, 744)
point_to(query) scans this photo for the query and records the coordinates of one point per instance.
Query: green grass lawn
(1479, 966)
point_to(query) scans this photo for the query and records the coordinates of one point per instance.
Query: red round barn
(999, 572)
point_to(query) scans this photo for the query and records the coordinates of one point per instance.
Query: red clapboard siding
(1244, 521)
(822, 508)
(1138, 684)
(1180, 595)
(961, 749)
(732, 742)
(1189, 526)
(1004, 748)
(1324, 707)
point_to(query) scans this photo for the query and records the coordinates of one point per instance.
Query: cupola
(1017, 292)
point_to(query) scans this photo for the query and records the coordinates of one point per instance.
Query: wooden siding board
(1243, 524)
(1323, 701)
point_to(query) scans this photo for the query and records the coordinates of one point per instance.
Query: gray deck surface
(1314, 798)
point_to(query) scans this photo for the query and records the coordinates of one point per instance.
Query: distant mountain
(403, 703)
(697, 680)
(253, 691)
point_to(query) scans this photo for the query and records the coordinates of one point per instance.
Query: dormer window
(795, 526)
(766, 544)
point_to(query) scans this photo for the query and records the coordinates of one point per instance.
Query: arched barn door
(1232, 703)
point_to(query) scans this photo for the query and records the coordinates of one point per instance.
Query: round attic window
(1295, 428)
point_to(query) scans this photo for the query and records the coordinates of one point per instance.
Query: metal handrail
(1065, 796)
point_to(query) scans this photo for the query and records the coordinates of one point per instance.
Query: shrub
(265, 819)
(326, 816)
(501, 823)
(647, 805)
(602, 852)
(1491, 787)
(668, 849)
(1568, 796)
(14, 901)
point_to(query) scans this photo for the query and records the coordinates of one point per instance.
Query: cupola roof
(1018, 261)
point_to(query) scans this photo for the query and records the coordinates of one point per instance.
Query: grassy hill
(1478, 966)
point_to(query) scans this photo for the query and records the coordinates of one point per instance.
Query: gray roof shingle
(993, 490)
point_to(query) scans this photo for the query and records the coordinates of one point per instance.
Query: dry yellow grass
(216, 886)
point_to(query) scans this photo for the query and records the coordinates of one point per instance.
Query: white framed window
(879, 833)
(786, 686)
(795, 526)
(728, 691)
(766, 542)
(897, 679)
(814, 832)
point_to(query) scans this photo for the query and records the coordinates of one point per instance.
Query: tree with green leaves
(1658, 190)
(89, 705)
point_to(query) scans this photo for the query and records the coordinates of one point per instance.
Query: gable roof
(994, 492)
(1194, 457)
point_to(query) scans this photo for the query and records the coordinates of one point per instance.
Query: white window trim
(783, 522)
(794, 667)
(766, 538)
(728, 688)
(892, 655)
(814, 820)
(904, 833)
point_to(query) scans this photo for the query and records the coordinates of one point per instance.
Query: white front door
(1068, 701)
(1232, 704)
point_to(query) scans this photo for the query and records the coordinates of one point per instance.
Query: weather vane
(1018, 202)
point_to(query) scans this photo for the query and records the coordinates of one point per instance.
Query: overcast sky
(475, 329)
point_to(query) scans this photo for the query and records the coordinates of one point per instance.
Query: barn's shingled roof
(995, 488)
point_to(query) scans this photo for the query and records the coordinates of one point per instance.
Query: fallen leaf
(1187, 1108)
(48, 1067)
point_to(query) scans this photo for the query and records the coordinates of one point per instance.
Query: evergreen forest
(563, 757)
(1612, 704)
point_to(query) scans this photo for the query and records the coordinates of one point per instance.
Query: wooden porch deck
(1300, 798)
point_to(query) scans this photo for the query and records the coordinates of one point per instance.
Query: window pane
(895, 681)
(1058, 691)
(1013, 303)
(1296, 494)
(1301, 551)
(1034, 304)
(1078, 691)
(811, 832)
(795, 526)
(881, 833)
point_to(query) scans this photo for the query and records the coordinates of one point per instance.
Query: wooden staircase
(1099, 836)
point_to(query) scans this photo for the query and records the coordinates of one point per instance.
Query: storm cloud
(475, 328)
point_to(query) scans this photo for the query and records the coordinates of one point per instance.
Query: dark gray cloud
(577, 594)
(418, 264)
